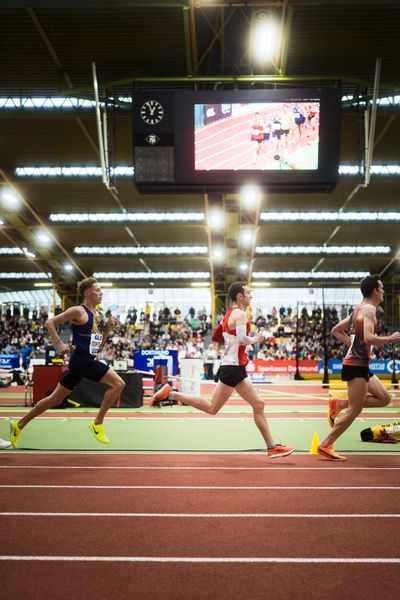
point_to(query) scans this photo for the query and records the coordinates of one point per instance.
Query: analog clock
(152, 112)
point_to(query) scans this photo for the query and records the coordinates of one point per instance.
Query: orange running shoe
(329, 453)
(161, 395)
(333, 411)
(279, 451)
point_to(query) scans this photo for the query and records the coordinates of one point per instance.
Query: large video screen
(285, 140)
(252, 136)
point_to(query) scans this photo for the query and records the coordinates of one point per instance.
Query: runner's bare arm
(110, 323)
(370, 336)
(74, 314)
(240, 321)
(339, 331)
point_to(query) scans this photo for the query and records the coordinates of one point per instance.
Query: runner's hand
(395, 338)
(110, 324)
(259, 337)
(62, 349)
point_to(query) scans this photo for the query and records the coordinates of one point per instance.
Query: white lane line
(201, 487)
(186, 468)
(205, 559)
(206, 515)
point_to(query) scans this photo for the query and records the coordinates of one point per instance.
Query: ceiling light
(43, 237)
(329, 216)
(68, 267)
(218, 254)
(127, 217)
(152, 275)
(323, 249)
(310, 274)
(200, 284)
(43, 284)
(250, 196)
(243, 266)
(261, 284)
(10, 200)
(216, 219)
(246, 236)
(29, 253)
(147, 250)
(264, 37)
(105, 283)
(30, 275)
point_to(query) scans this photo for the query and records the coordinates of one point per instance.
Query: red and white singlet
(234, 353)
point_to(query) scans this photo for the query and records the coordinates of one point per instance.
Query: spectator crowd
(26, 334)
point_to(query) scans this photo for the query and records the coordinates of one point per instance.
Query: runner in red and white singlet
(234, 332)
(235, 354)
(358, 333)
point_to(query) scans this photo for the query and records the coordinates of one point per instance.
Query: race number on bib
(95, 342)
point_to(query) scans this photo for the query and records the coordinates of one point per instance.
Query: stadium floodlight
(263, 36)
(10, 200)
(246, 236)
(250, 196)
(216, 219)
(218, 254)
(43, 238)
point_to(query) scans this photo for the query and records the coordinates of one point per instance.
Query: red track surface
(134, 536)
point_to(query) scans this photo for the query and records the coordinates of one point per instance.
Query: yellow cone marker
(314, 443)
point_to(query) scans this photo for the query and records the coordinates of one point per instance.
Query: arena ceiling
(47, 51)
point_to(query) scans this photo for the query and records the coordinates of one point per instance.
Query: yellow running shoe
(15, 433)
(333, 411)
(99, 433)
(330, 454)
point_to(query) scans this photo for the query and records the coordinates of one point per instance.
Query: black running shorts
(350, 372)
(231, 375)
(82, 365)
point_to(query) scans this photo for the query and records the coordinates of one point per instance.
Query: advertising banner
(259, 368)
(143, 360)
(9, 361)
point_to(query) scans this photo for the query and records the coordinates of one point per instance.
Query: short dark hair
(85, 284)
(235, 289)
(369, 284)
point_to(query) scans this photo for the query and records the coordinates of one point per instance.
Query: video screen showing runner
(256, 136)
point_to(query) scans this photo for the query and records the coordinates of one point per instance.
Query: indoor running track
(185, 527)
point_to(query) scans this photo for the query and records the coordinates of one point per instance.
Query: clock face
(151, 112)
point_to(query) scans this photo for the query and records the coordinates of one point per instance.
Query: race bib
(95, 342)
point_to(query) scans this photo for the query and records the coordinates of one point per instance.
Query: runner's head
(240, 293)
(90, 289)
(372, 288)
